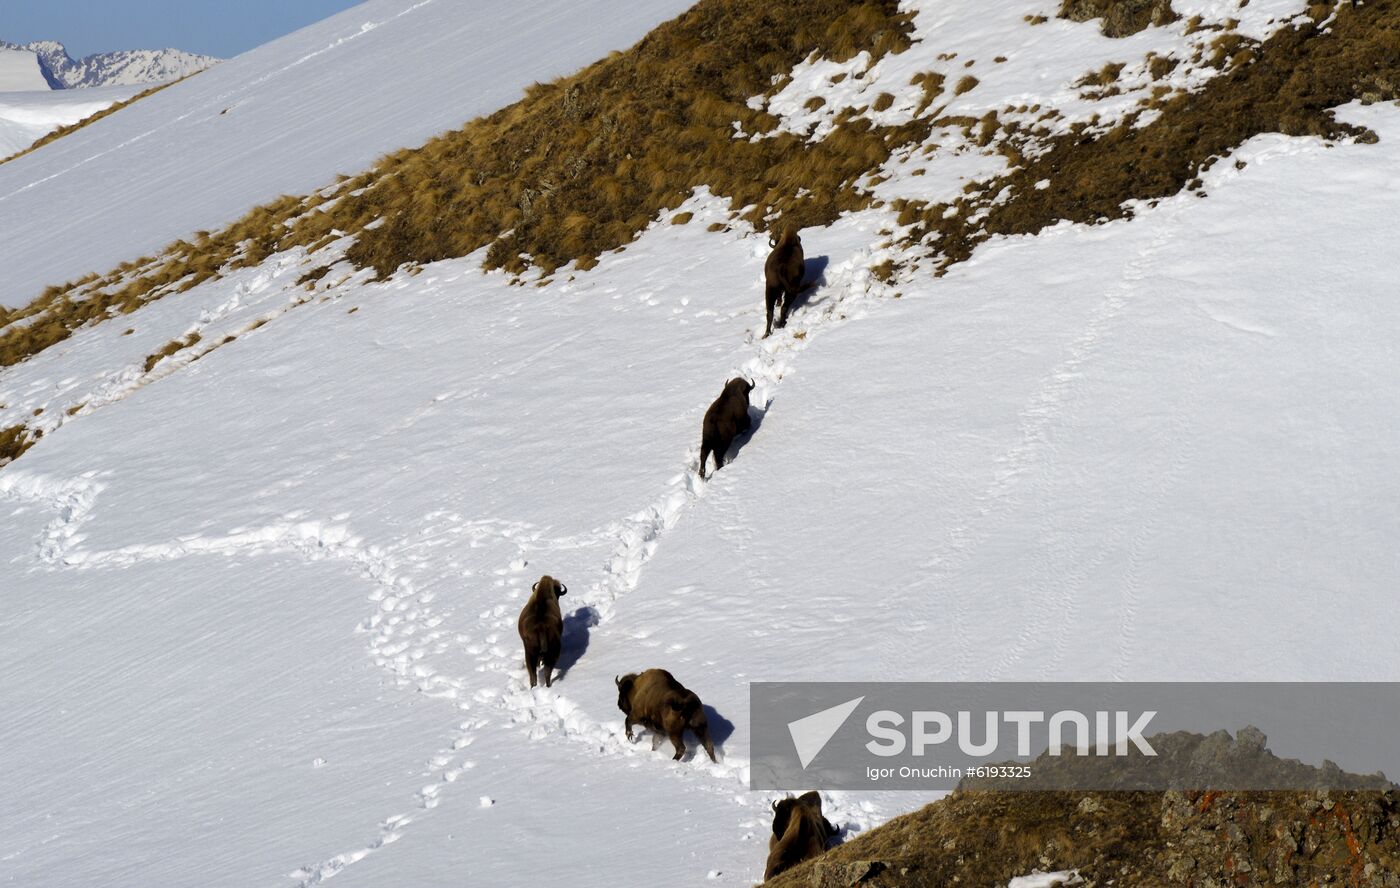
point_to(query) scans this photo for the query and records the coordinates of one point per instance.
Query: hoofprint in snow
(298, 552)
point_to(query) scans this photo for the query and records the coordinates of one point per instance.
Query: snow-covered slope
(20, 71)
(285, 118)
(125, 67)
(260, 597)
(25, 117)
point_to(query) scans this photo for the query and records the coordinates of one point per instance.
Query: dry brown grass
(169, 349)
(62, 309)
(90, 119)
(575, 169)
(932, 84)
(1289, 86)
(15, 440)
(1159, 67)
(1105, 76)
(581, 165)
(979, 838)
(1121, 18)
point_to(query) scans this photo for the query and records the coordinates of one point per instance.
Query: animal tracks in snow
(427, 648)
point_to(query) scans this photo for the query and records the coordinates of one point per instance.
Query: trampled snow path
(1053, 616)
(406, 634)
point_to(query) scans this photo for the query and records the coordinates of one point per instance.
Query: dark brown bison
(727, 419)
(800, 832)
(662, 705)
(542, 628)
(782, 276)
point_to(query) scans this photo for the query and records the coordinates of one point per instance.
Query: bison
(800, 832)
(656, 701)
(782, 276)
(542, 627)
(727, 419)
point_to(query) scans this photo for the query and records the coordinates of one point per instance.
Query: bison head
(551, 585)
(624, 691)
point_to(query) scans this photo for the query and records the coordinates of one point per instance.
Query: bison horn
(617, 680)
(563, 589)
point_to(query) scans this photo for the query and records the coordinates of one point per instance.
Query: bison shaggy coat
(782, 276)
(800, 832)
(727, 419)
(659, 703)
(542, 628)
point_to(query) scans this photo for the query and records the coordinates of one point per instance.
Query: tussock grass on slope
(1187, 839)
(90, 119)
(576, 168)
(169, 349)
(1121, 18)
(581, 165)
(14, 441)
(984, 834)
(1288, 84)
(60, 310)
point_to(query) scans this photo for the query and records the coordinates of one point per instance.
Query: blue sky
(221, 28)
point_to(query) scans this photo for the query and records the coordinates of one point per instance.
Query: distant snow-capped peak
(119, 68)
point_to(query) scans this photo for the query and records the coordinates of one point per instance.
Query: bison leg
(677, 740)
(530, 667)
(789, 294)
(627, 724)
(770, 297)
(704, 456)
(704, 737)
(551, 656)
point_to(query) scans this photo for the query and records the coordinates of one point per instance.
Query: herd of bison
(653, 698)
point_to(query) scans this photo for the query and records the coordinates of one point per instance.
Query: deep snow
(262, 603)
(26, 117)
(284, 119)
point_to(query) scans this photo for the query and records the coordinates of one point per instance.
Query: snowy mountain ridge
(124, 67)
